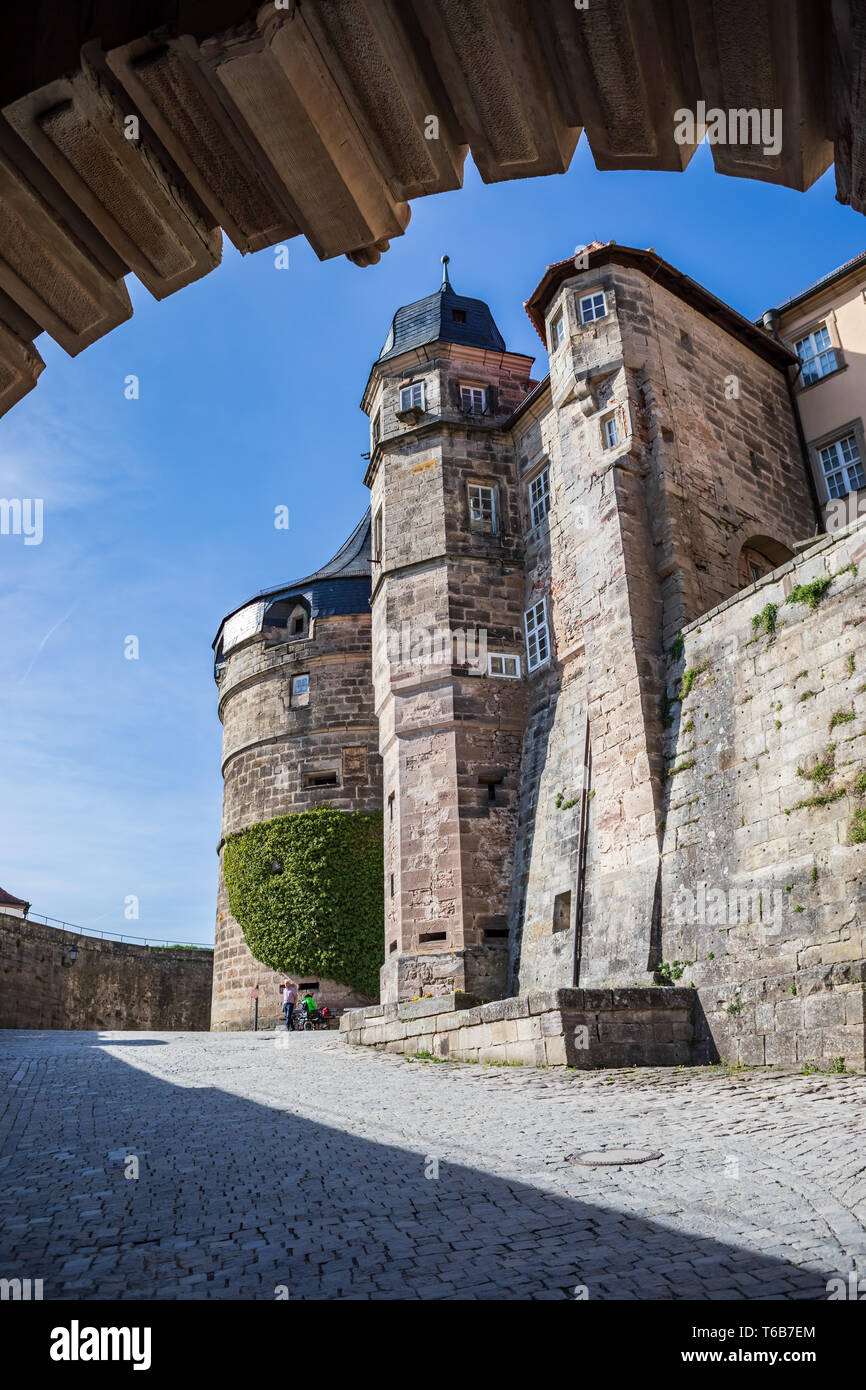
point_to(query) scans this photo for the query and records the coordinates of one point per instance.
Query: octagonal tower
(447, 605)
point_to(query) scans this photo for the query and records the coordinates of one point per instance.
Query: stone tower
(296, 701)
(447, 601)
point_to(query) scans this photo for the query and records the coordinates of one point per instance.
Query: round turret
(293, 669)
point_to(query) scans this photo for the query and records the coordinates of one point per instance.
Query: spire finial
(446, 283)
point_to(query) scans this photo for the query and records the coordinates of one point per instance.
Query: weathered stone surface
(111, 985)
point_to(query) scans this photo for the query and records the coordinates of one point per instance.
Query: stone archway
(123, 151)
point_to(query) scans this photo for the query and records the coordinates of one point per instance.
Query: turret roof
(442, 317)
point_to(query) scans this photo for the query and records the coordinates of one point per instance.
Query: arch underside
(121, 152)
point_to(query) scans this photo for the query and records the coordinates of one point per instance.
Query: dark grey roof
(353, 559)
(837, 274)
(432, 320)
(341, 586)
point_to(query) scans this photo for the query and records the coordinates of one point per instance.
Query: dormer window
(290, 614)
(473, 400)
(458, 315)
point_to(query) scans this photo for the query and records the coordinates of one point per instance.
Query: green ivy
(307, 891)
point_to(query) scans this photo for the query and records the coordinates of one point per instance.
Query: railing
(115, 936)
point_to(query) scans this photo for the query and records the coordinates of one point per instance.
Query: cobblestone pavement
(311, 1170)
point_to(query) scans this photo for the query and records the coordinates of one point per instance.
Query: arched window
(293, 614)
(759, 556)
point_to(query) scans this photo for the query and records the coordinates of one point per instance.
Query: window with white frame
(300, 690)
(842, 465)
(539, 497)
(500, 664)
(610, 431)
(412, 396)
(592, 307)
(557, 332)
(537, 635)
(473, 400)
(817, 355)
(482, 508)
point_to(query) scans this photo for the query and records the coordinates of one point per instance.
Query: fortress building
(587, 594)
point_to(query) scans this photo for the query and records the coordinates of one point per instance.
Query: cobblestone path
(296, 1167)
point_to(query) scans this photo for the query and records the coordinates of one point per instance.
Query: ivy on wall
(307, 892)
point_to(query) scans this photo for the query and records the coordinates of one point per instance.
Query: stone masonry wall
(111, 985)
(269, 747)
(764, 877)
(449, 732)
(554, 1028)
(642, 536)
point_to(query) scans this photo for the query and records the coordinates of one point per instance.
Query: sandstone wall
(111, 985)
(270, 746)
(764, 884)
(641, 537)
(448, 731)
(553, 1028)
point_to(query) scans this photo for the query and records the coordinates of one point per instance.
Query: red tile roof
(667, 275)
(7, 900)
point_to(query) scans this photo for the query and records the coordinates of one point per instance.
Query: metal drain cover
(612, 1158)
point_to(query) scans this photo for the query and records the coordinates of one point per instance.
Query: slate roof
(341, 586)
(432, 320)
(855, 263)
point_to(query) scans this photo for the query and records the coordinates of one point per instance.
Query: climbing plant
(307, 891)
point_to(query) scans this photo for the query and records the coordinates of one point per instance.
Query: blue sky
(158, 512)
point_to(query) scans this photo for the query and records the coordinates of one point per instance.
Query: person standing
(289, 994)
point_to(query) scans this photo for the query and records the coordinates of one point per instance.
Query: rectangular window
(432, 936)
(539, 497)
(537, 635)
(816, 354)
(500, 664)
(562, 912)
(320, 779)
(377, 536)
(611, 432)
(391, 806)
(412, 397)
(491, 783)
(557, 332)
(300, 690)
(377, 427)
(482, 508)
(458, 315)
(392, 885)
(473, 400)
(842, 465)
(592, 307)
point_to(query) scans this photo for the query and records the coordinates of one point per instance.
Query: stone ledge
(564, 1027)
